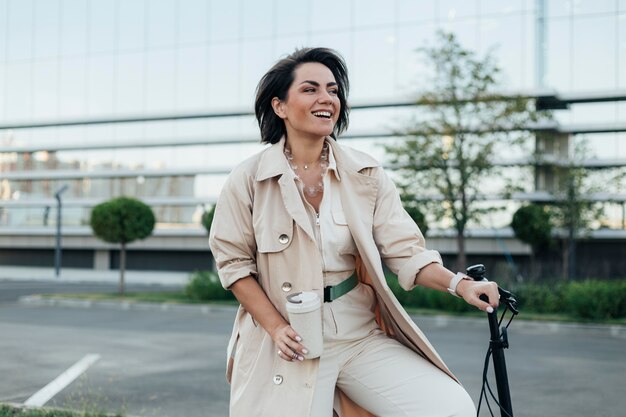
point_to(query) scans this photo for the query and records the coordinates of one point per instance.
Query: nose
(324, 98)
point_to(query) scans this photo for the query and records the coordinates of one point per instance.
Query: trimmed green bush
(541, 298)
(597, 300)
(122, 220)
(588, 300)
(205, 285)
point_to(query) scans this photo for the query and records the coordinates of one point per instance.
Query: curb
(39, 301)
(613, 330)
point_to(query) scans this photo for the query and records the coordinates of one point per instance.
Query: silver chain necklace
(310, 190)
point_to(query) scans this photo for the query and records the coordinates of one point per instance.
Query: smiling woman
(309, 215)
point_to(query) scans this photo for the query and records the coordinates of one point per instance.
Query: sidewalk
(77, 275)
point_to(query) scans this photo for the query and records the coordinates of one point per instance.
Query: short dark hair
(276, 83)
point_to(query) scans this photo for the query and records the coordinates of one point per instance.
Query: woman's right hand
(288, 344)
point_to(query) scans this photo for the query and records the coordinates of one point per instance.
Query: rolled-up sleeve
(400, 242)
(231, 238)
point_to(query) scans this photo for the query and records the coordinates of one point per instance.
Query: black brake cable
(486, 369)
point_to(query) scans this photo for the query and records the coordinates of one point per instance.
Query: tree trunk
(461, 260)
(565, 260)
(533, 265)
(571, 252)
(122, 267)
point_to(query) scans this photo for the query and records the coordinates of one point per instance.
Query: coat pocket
(274, 235)
(247, 352)
(342, 237)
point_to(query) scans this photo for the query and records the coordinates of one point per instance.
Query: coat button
(278, 379)
(286, 286)
(284, 239)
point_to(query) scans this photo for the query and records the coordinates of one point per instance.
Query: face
(312, 105)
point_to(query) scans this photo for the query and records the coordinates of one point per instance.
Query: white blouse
(332, 234)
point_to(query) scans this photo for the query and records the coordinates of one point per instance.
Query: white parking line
(41, 397)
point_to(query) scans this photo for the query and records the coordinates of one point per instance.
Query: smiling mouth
(322, 114)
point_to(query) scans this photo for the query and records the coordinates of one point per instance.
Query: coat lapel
(274, 164)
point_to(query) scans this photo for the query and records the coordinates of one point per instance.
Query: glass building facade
(71, 72)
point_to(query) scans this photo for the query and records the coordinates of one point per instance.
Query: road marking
(41, 397)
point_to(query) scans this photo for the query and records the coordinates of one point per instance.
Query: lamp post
(57, 251)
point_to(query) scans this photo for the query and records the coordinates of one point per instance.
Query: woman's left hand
(471, 291)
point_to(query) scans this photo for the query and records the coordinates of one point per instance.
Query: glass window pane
(509, 40)
(160, 80)
(621, 50)
(3, 96)
(328, 15)
(257, 18)
(192, 77)
(415, 11)
(72, 83)
(129, 91)
(19, 91)
(224, 76)
(256, 60)
(131, 21)
(372, 60)
(505, 7)
(47, 18)
(161, 23)
(100, 84)
(4, 19)
(295, 17)
(594, 60)
(413, 72)
(102, 23)
(558, 53)
(372, 13)
(73, 27)
(20, 29)
(594, 7)
(453, 9)
(559, 8)
(224, 20)
(193, 21)
(45, 89)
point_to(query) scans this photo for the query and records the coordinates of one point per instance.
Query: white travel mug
(305, 317)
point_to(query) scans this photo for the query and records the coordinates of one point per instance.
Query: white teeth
(322, 114)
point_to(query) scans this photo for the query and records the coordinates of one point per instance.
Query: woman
(307, 213)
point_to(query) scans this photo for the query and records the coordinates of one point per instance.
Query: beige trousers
(377, 372)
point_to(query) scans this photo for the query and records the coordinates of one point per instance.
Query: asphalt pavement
(157, 363)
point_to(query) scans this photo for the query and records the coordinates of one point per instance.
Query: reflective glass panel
(102, 24)
(47, 20)
(19, 29)
(161, 23)
(73, 27)
(594, 60)
(160, 91)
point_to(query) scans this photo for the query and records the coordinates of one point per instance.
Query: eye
(309, 90)
(333, 91)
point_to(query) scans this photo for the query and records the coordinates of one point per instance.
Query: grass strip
(7, 410)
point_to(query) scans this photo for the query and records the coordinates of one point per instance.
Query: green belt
(332, 292)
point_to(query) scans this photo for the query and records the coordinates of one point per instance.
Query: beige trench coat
(261, 229)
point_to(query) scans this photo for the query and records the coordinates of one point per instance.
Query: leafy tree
(207, 218)
(532, 225)
(122, 220)
(573, 211)
(449, 150)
